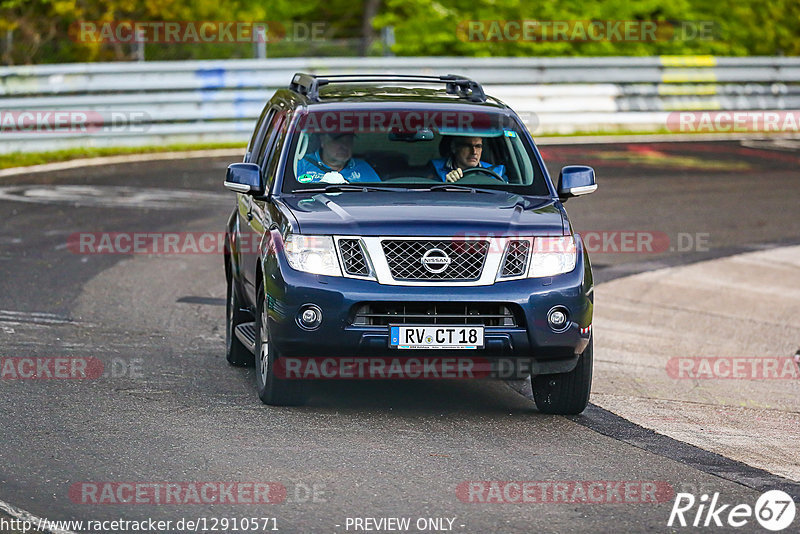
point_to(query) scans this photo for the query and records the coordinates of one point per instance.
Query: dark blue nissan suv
(404, 226)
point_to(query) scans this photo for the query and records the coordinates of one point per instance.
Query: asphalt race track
(169, 409)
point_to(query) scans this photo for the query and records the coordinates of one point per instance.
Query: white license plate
(435, 337)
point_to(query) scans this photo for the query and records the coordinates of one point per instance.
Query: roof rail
(308, 84)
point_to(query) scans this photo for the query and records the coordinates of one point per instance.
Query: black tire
(271, 389)
(565, 393)
(235, 352)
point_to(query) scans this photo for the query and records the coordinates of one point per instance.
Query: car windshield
(410, 149)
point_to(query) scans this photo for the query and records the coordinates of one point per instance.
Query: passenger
(464, 153)
(334, 162)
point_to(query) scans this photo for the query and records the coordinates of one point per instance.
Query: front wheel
(271, 389)
(566, 393)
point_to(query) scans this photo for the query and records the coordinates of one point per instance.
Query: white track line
(33, 317)
(125, 158)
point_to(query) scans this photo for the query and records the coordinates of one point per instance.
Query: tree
(44, 30)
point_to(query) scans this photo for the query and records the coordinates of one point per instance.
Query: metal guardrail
(218, 101)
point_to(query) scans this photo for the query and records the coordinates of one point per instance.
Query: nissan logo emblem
(435, 260)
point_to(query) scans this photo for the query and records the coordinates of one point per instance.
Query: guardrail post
(387, 36)
(9, 46)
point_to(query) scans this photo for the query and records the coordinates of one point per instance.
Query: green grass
(24, 159)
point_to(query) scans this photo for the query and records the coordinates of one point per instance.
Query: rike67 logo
(774, 510)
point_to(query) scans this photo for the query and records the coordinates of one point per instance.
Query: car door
(251, 210)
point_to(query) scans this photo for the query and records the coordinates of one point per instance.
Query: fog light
(558, 318)
(309, 317)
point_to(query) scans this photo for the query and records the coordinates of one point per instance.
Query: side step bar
(246, 333)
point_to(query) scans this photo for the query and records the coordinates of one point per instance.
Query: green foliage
(43, 31)
(738, 27)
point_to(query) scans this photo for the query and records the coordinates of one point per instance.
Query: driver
(333, 162)
(465, 153)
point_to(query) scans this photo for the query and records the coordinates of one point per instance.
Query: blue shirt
(443, 166)
(311, 169)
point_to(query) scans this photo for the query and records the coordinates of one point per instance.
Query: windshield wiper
(455, 187)
(344, 188)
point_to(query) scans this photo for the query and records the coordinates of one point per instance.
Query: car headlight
(552, 256)
(314, 254)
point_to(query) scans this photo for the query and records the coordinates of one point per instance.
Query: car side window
(260, 134)
(275, 151)
(268, 140)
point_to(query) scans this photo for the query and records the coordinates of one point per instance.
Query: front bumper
(532, 340)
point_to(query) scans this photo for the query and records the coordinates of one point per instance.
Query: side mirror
(575, 180)
(244, 178)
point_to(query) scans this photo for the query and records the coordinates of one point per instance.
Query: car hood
(425, 213)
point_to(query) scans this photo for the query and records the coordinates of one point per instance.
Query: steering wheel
(483, 169)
